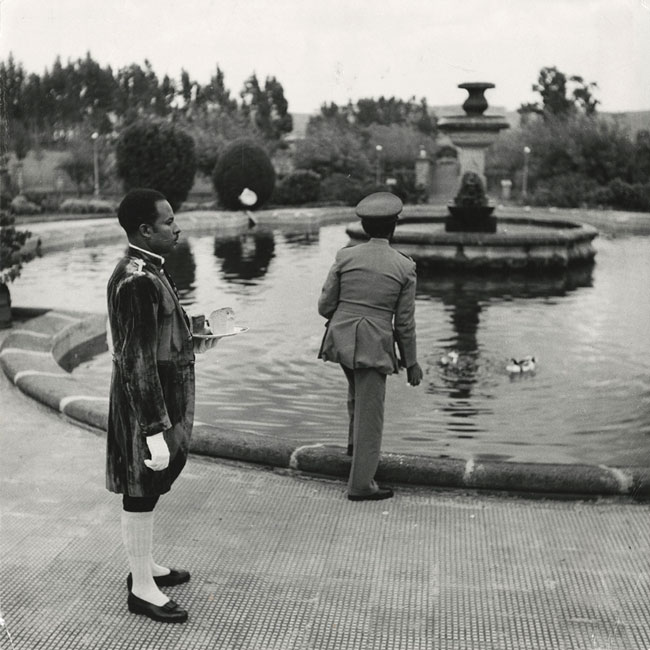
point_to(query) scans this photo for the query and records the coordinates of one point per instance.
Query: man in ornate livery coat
(369, 301)
(151, 407)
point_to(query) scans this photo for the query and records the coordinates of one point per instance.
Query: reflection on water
(306, 238)
(246, 257)
(588, 401)
(180, 264)
(464, 297)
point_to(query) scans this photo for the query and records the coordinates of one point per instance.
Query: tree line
(576, 153)
(44, 110)
(577, 156)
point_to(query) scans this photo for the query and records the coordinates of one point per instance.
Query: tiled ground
(283, 562)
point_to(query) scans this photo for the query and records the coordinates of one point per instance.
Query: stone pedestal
(473, 132)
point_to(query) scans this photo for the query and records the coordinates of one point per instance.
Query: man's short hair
(382, 227)
(137, 207)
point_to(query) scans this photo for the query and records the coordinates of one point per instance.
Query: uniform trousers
(366, 395)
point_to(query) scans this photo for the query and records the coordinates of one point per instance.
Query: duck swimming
(527, 364)
(449, 359)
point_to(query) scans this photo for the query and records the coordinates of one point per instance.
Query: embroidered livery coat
(152, 385)
(369, 299)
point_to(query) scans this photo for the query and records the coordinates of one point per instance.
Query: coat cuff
(152, 428)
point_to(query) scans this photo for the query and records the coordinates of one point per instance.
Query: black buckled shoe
(170, 612)
(172, 579)
(379, 495)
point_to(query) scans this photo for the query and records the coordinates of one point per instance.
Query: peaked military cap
(379, 205)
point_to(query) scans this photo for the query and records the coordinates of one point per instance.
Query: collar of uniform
(379, 240)
(156, 260)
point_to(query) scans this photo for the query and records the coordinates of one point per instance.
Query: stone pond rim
(519, 243)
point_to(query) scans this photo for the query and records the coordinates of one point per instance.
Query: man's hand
(159, 453)
(202, 345)
(414, 374)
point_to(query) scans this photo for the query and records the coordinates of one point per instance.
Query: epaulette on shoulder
(135, 276)
(135, 267)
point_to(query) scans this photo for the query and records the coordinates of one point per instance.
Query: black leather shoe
(170, 612)
(379, 495)
(172, 579)
(350, 450)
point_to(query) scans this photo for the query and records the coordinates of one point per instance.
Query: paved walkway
(284, 561)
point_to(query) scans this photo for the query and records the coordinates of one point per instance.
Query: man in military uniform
(151, 408)
(369, 301)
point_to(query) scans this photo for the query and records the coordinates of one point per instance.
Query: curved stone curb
(35, 355)
(52, 236)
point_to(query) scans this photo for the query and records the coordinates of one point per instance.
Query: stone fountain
(470, 236)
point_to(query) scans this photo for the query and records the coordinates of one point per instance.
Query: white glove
(159, 452)
(202, 345)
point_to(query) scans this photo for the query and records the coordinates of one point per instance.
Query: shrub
(79, 167)
(328, 149)
(626, 196)
(158, 155)
(564, 191)
(243, 164)
(406, 188)
(13, 253)
(88, 206)
(340, 188)
(47, 200)
(400, 144)
(299, 187)
(21, 205)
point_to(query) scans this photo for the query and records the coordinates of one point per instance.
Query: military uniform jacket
(152, 384)
(369, 299)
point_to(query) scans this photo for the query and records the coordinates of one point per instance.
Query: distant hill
(635, 121)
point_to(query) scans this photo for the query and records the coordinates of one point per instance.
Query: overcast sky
(336, 50)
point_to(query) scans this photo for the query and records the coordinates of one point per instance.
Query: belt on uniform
(365, 310)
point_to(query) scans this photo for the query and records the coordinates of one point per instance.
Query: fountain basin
(518, 243)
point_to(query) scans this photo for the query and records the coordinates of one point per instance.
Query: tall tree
(215, 95)
(96, 93)
(267, 106)
(12, 108)
(561, 95)
(139, 92)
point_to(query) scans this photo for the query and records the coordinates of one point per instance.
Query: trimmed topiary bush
(300, 187)
(158, 155)
(243, 165)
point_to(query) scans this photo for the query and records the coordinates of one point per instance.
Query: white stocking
(137, 534)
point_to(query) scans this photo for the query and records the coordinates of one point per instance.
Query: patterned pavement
(284, 561)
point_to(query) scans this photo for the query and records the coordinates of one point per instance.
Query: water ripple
(589, 400)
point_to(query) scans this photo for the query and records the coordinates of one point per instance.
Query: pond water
(588, 400)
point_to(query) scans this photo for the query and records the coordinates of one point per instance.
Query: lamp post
(378, 149)
(524, 182)
(94, 137)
